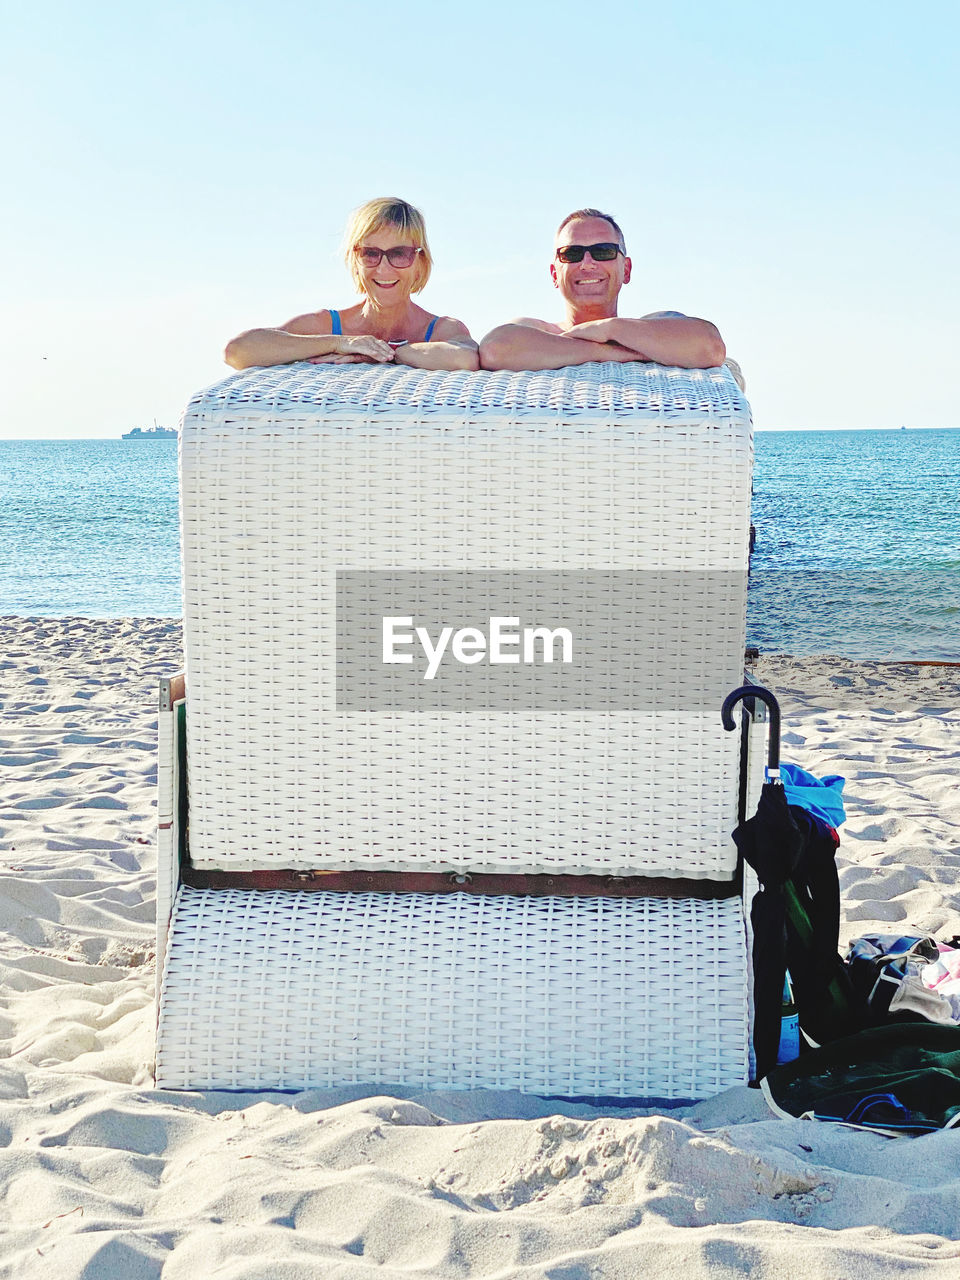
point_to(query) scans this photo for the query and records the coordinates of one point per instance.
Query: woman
(388, 258)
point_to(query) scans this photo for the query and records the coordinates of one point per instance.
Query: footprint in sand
(876, 830)
(852, 875)
(889, 885)
(100, 843)
(888, 912)
(74, 767)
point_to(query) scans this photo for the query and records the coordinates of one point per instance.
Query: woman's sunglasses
(598, 252)
(405, 255)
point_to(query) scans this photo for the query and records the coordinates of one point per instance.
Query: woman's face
(386, 283)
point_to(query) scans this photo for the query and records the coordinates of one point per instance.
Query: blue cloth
(823, 797)
(429, 333)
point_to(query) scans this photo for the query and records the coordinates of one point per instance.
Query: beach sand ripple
(103, 1176)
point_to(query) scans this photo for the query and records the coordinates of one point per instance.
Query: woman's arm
(302, 338)
(451, 348)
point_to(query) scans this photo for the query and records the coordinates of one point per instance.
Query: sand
(103, 1176)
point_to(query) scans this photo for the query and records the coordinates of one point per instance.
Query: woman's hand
(340, 357)
(299, 340)
(365, 347)
(356, 349)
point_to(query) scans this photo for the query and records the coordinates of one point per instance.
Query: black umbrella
(796, 912)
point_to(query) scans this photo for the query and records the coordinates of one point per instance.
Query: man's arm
(665, 336)
(523, 345)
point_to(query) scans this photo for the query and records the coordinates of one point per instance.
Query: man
(590, 266)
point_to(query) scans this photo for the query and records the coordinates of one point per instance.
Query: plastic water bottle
(789, 1026)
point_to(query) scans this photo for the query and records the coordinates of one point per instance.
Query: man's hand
(526, 346)
(604, 332)
(591, 331)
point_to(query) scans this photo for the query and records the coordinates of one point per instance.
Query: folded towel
(820, 796)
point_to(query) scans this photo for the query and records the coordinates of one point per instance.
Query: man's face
(589, 282)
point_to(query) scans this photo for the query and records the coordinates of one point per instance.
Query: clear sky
(176, 173)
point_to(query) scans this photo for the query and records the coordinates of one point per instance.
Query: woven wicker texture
(168, 827)
(568, 996)
(290, 475)
(165, 769)
(591, 391)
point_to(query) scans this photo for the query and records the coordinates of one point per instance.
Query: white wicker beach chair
(534, 891)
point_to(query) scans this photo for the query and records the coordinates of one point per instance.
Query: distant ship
(151, 433)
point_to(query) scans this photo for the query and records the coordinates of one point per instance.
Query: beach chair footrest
(573, 997)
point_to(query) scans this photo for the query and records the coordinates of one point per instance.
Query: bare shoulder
(448, 329)
(311, 323)
(530, 322)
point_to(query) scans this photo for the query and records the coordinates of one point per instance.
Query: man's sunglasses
(405, 255)
(598, 252)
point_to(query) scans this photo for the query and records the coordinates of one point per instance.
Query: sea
(857, 538)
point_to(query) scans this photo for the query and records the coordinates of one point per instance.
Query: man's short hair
(595, 213)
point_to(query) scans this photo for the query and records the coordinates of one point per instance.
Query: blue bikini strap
(336, 330)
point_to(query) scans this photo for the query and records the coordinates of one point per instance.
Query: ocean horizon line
(760, 429)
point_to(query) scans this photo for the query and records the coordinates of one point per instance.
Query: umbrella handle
(773, 743)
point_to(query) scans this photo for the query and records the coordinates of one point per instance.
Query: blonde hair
(388, 212)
